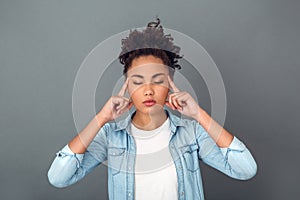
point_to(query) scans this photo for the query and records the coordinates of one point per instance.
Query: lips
(149, 102)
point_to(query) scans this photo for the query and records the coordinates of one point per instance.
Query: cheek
(163, 92)
(133, 91)
(131, 88)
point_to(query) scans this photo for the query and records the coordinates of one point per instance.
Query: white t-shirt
(155, 173)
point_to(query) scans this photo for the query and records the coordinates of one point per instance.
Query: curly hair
(150, 41)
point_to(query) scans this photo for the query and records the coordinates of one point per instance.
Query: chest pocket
(190, 156)
(116, 159)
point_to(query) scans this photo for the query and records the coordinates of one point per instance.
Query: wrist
(200, 114)
(101, 120)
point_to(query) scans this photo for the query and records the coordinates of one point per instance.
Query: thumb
(168, 104)
(129, 105)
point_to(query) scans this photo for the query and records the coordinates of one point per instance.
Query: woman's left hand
(183, 102)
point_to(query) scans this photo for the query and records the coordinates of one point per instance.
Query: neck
(147, 121)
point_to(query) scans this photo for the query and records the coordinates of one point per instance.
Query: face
(148, 84)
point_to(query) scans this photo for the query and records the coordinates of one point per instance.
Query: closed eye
(137, 83)
(140, 83)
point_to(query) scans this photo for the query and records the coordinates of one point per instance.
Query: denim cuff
(235, 145)
(66, 151)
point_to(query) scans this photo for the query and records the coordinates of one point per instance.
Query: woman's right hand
(116, 105)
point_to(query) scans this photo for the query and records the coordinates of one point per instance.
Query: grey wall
(255, 45)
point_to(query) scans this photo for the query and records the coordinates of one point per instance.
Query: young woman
(152, 154)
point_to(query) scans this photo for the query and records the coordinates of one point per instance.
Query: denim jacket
(189, 143)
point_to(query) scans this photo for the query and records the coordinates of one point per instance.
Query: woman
(152, 154)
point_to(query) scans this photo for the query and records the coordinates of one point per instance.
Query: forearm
(73, 161)
(80, 142)
(220, 135)
(68, 168)
(235, 161)
(65, 169)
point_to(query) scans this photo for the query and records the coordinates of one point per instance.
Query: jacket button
(182, 193)
(129, 194)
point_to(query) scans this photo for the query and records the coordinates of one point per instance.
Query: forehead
(147, 66)
(148, 70)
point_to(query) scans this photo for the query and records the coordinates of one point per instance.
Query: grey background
(255, 45)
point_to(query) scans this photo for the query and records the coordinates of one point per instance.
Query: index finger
(172, 85)
(123, 89)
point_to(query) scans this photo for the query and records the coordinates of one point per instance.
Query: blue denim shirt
(189, 143)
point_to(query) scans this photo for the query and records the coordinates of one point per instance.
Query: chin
(156, 109)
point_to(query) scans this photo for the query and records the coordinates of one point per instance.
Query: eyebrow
(154, 76)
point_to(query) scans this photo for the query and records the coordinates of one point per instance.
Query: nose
(148, 90)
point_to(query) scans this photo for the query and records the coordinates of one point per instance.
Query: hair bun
(154, 24)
